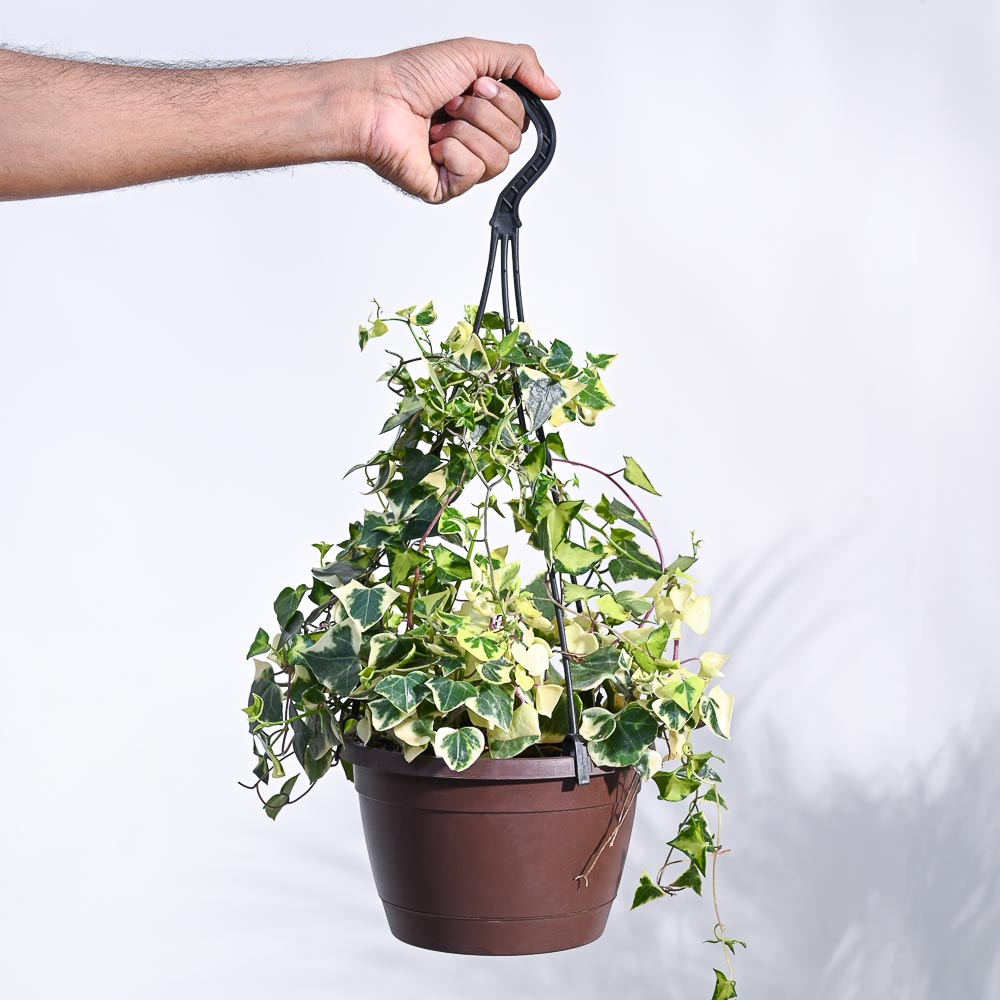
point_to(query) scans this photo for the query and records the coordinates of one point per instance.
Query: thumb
(502, 59)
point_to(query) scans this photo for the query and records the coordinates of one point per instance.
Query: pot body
(484, 862)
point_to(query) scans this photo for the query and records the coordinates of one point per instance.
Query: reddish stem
(420, 548)
(629, 497)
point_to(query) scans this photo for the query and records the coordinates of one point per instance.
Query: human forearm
(69, 126)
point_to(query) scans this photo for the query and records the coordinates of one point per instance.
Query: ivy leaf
(597, 724)
(694, 839)
(426, 316)
(388, 649)
(260, 644)
(673, 786)
(690, 878)
(593, 670)
(671, 713)
(576, 592)
(405, 691)
(459, 748)
(276, 803)
(265, 688)
(287, 603)
(448, 694)
(385, 714)
(366, 605)
(635, 476)
(725, 988)
(409, 407)
(635, 729)
(712, 795)
(495, 704)
(522, 733)
(333, 660)
(573, 559)
(539, 397)
(717, 711)
(337, 572)
(684, 689)
(646, 891)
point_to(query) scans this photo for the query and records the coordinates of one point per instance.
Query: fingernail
(455, 103)
(551, 82)
(487, 89)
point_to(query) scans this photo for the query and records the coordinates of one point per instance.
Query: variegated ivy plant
(416, 634)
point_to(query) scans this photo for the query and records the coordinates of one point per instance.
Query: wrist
(344, 109)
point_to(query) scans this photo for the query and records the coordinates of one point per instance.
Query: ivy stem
(715, 895)
(420, 548)
(628, 496)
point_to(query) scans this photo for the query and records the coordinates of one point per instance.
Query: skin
(432, 120)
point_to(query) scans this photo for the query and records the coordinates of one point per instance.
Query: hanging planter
(485, 861)
(498, 727)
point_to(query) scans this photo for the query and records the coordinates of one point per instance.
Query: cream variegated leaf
(597, 724)
(459, 748)
(649, 763)
(717, 711)
(523, 733)
(547, 697)
(579, 642)
(711, 664)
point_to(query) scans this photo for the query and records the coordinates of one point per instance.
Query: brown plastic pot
(484, 862)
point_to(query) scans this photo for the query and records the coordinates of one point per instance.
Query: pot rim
(484, 769)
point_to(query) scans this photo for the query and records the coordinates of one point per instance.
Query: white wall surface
(785, 217)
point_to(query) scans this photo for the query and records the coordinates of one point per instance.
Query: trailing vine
(416, 633)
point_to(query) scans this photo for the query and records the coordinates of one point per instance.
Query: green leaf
(426, 316)
(575, 592)
(646, 891)
(690, 878)
(712, 795)
(635, 729)
(405, 691)
(560, 357)
(694, 839)
(574, 559)
(671, 713)
(267, 690)
(322, 548)
(725, 988)
(409, 407)
(385, 714)
(597, 724)
(276, 803)
(522, 733)
(390, 650)
(635, 476)
(333, 660)
(494, 703)
(448, 694)
(366, 605)
(287, 603)
(596, 668)
(539, 398)
(684, 689)
(453, 565)
(673, 786)
(459, 748)
(260, 644)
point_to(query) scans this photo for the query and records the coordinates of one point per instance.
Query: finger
(503, 98)
(481, 114)
(458, 167)
(502, 59)
(493, 155)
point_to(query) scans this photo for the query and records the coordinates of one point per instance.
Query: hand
(441, 123)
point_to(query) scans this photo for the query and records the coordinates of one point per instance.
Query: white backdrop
(784, 215)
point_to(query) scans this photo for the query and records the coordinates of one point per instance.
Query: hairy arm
(431, 119)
